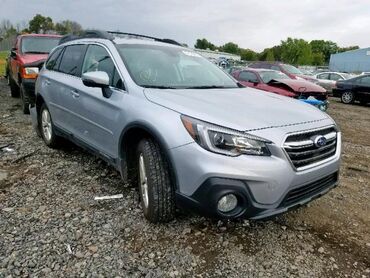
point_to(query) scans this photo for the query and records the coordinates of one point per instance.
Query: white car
(329, 79)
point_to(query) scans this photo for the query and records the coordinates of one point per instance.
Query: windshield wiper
(209, 87)
(158, 87)
(36, 52)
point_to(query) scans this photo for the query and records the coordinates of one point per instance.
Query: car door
(65, 84)
(98, 115)
(362, 89)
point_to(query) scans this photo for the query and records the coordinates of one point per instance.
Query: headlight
(30, 72)
(225, 141)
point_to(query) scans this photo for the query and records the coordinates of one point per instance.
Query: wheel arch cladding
(128, 142)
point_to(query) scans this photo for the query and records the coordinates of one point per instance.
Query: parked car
(279, 83)
(23, 64)
(354, 89)
(289, 70)
(184, 130)
(328, 80)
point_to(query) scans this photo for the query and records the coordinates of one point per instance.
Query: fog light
(227, 203)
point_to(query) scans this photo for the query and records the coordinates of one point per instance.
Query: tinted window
(248, 76)
(98, 59)
(365, 80)
(72, 60)
(323, 76)
(54, 59)
(335, 77)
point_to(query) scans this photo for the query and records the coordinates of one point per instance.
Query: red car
(279, 83)
(24, 62)
(289, 70)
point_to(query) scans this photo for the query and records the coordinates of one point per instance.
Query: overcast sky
(251, 24)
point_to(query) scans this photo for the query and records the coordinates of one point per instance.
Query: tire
(348, 97)
(46, 127)
(157, 192)
(14, 89)
(25, 99)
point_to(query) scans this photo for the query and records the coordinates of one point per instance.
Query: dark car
(354, 89)
(26, 58)
(289, 70)
(279, 83)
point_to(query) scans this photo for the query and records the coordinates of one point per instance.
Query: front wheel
(14, 89)
(348, 97)
(156, 189)
(25, 98)
(46, 127)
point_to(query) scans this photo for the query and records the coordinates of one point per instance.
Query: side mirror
(13, 52)
(97, 79)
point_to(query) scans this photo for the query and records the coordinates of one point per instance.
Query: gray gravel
(51, 226)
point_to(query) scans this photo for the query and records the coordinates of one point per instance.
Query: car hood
(32, 59)
(243, 109)
(300, 85)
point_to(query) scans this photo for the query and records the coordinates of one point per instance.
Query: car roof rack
(170, 41)
(110, 35)
(97, 34)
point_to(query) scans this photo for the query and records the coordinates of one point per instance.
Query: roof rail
(98, 34)
(170, 41)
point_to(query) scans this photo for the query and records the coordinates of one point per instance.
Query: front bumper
(261, 184)
(29, 88)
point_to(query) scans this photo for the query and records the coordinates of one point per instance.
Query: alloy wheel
(143, 181)
(46, 124)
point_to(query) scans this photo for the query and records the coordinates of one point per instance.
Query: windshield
(291, 69)
(172, 67)
(267, 76)
(39, 45)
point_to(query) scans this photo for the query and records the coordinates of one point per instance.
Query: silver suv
(184, 131)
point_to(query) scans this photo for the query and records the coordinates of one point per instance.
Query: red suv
(24, 62)
(289, 70)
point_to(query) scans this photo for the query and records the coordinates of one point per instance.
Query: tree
(7, 29)
(348, 48)
(318, 59)
(68, 27)
(40, 24)
(296, 51)
(325, 47)
(248, 55)
(230, 47)
(270, 56)
(204, 44)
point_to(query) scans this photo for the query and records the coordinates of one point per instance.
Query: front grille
(303, 192)
(303, 151)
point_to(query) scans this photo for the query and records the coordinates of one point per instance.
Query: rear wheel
(156, 189)
(25, 98)
(46, 127)
(348, 97)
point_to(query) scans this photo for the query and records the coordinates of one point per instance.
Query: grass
(3, 55)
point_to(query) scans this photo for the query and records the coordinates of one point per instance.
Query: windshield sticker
(190, 53)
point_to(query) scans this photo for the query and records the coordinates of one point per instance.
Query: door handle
(75, 94)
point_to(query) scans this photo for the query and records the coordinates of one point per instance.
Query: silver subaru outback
(184, 131)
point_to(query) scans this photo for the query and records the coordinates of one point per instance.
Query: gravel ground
(51, 226)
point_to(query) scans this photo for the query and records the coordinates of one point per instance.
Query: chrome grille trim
(301, 151)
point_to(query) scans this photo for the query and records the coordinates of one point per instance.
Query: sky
(254, 24)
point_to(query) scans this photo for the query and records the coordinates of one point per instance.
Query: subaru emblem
(319, 141)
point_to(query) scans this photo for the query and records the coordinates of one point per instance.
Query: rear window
(38, 45)
(72, 59)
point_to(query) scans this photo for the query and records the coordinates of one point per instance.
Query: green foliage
(348, 48)
(296, 52)
(3, 55)
(40, 24)
(326, 48)
(270, 56)
(230, 47)
(204, 44)
(68, 27)
(248, 55)
(318, 59)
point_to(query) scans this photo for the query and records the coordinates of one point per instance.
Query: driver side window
(98, 59)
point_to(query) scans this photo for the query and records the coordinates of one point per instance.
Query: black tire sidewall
(24, 99)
